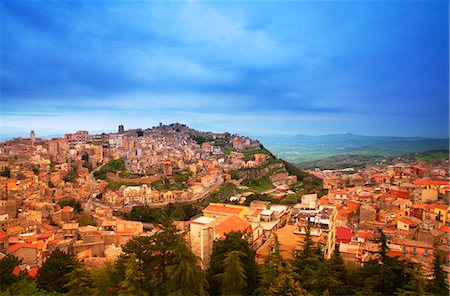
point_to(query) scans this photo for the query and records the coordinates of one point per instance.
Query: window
(426, 252)
(414, 251)
(404, 249)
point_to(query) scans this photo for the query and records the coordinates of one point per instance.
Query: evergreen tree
(285, 284)
(308, 262)
(52, 275)
(233, 278)
(416, 285)
(80, 281)
(7, 265)
(26, 287)
(439, 283)
(186, 277)
(133, 281)
(232, 242)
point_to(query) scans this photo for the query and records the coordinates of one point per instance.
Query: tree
(439, 283)
(233, 278)
(52, 275)
(80, 281)
(7, 266)
(106, 279)
(5, 172)
(232, 242)
(308, 262)
(86, 219)
(416, 285)
(154, 254)
(26, 287)
(185, 276)
(285, 284)
(133, 281)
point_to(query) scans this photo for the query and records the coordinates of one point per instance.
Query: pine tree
(439, 283)
(233, 278)
(80, 281)
(7, 265)
(52, 275)
(133, 282)
(232, 242)
(186, 277)
(285, 284)
(416, 284)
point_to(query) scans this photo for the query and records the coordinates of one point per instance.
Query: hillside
(302, 148)
(338, 162)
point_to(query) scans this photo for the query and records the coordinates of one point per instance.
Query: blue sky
(258, 67)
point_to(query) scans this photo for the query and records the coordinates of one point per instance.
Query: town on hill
(174, 211)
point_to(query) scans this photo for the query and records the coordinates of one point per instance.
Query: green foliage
(154, 254)
(165, 216)
(200, 140)
(232, 242)
(258, 185)
(26, 287)
(307, 182)
(439, 284)
(285, 284)
(50, 184)
(185, 276)
(165, 184)
(52, 276)
(113, 166)
(433, 155)
(224, 193)
(71, 175)
(182, 177)
(227, 151)
(5, 172)
(86, 219)
(7, 265)
(106, 279)
(113, 185)
(72, 202)
(80, 281)
(35, 171)
(233, 278)
(132, 284)
(249, 155)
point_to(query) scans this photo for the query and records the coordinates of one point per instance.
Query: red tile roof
(3, 234)
(444, 228)
(343, 234)
(426, 182)
(233, 223)
(223, 209)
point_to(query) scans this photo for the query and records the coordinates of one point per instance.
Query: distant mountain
(301, 148)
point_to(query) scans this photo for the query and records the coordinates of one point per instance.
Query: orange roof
(22, 245)
(223, 209)
(3, 234)
(425, 182)
(407, 221)
(67, 209)
(444, 228)
(233, 223)
(32, 272)
(441, 206)
(324, 200)
(364, 234)
(257, 212)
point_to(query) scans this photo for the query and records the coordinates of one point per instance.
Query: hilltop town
(89, 195)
